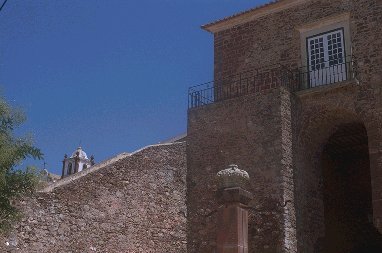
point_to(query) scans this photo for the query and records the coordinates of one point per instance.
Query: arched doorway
(347, 196)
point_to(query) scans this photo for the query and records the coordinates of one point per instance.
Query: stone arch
(347, 192)
(311, 138)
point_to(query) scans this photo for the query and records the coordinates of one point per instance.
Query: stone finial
(232, 177)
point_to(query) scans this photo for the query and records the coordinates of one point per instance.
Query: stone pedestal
(232, 217)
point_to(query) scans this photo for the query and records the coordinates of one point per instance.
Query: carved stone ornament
(232, 177)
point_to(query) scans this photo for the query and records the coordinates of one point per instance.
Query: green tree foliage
(13, 150)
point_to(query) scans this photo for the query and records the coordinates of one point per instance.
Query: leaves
(13, 150)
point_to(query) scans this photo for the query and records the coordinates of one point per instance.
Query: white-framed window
(326, 58)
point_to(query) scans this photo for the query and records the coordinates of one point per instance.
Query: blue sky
(111, 74)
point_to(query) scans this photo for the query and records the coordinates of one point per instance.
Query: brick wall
(133, 204)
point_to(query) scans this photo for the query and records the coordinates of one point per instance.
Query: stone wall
(272, 39)
(318, 113)
(277, 136)
(316, 117)
(247, 132)
(136, 203)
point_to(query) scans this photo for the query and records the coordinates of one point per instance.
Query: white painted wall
(81, 163)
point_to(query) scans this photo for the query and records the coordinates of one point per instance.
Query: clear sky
(111, 74)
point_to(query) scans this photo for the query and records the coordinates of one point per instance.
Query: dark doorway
(347, 193)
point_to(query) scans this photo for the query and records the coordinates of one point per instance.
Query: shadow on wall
(348, 210)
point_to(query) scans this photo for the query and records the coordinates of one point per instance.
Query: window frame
(321, 34)
(326, 51)
(320, 27)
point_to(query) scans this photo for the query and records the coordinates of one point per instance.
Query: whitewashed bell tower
(77, 162)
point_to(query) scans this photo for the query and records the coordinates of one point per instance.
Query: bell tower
(77, 162)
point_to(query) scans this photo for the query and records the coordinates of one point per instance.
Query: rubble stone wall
(247, 132)
(274, 39)
(135, 204)
(316, 118)
(278, 136)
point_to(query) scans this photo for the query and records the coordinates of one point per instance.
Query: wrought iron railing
(239, 85)
(326, 72)
(273, 76)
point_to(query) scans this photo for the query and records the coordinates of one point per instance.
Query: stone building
(296, 102)
(77, 162)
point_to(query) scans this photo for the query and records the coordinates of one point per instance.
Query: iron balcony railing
(326, 72)
(252, 81)
(238, 85)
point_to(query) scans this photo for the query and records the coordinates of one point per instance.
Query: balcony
(322, 74)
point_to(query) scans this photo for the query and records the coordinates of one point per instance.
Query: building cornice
(250, 15)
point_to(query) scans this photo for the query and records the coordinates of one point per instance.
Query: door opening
(348, 211)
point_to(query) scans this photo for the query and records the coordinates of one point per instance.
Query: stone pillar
(63, 166)
(232, 217)
(76, 162)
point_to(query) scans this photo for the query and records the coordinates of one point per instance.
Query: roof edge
(249, 15)
(71, 178)
(177, 138)
(68, 179)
